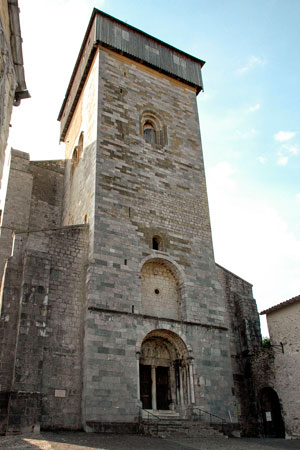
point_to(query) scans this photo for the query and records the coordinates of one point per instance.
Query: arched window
(149, 132)
(153, 129)
(75, 155)
(77, 152)
(80, 143)
(156, 243)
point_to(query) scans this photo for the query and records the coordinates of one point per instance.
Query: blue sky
(249, 115)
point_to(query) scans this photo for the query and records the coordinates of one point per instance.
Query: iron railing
(203, 412)
(154, 419)
(141, 418)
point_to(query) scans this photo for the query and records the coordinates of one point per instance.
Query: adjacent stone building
(12, 81)
(284, 328)
(112, 301)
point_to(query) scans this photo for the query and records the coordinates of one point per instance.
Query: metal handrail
(210, 416)
(149, 413)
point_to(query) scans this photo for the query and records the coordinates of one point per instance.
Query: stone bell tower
(155, 324)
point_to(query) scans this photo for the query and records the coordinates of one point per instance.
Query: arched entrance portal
(271, 413)
(166, 372)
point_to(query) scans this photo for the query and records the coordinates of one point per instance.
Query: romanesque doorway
(271, 413)
(166, 372)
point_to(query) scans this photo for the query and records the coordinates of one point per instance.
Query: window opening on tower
(156, 243)
(149, 133)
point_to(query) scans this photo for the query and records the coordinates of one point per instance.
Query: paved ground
(84, 441)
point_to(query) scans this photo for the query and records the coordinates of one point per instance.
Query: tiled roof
(281, 305)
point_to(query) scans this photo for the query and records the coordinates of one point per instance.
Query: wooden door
(162, 387)
(146, 386)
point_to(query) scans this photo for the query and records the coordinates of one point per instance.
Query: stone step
(162, 414)
(179, 428)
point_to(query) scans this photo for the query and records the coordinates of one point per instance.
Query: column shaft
(153, 377)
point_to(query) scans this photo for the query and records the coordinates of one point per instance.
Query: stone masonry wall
(263, 374)
(283, 325)
(41, 328)
(8, 82)
(17, 204)
(62, 365)
(33, 200)
(245, 342)
(41, 325)
(111, 369)
(142, 190)
(79, 183)
(47, 194)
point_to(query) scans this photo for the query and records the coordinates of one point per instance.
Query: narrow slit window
(156, 243)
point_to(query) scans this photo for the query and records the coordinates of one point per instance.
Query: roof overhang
(281, 305)
(124, 39)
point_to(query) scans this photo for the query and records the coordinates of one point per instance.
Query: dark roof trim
(281, 305)
(129, 27)
(77, 62)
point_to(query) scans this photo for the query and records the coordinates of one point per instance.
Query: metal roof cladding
(135, 44)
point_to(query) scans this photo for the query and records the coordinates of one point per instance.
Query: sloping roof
(118, 36)
(281, 305)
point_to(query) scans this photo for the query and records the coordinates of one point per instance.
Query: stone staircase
(170, 424)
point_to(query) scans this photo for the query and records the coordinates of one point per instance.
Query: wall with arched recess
(160, 287)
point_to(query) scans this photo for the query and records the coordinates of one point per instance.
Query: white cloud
(285, 152)
(47, 76)
(247, 133)
(282, 160)
(262, 159)
(253, 61)
(292, 149)
(221, 175)
(254, 108)
(251, 238)
(283, 136)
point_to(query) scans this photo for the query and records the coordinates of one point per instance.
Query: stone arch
(181, 349)
(271, 413)
(174, 267)
(161, 289)
(151, 121)
(166, 372)
(180, 279)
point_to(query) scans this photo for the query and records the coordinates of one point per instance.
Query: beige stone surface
(284, 326)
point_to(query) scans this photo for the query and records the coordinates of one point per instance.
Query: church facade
(112, 303)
